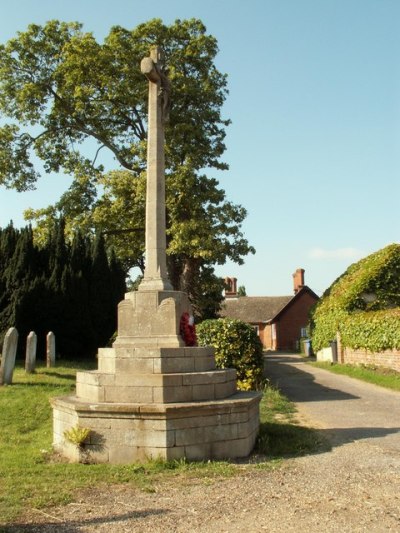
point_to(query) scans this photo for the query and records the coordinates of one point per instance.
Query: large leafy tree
(66, 98)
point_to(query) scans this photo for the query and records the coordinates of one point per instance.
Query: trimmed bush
(236, 346)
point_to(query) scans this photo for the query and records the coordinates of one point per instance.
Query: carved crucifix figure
(155, 274)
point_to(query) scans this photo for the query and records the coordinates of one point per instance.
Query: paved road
(345, 409)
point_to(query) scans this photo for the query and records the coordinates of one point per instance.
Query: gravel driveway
(352, 488)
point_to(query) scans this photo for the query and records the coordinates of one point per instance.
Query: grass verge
(280, 434)
(31, 476)
(384, 377)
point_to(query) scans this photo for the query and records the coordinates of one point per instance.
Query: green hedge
(375, 331)
(363, 305)
(236, 346)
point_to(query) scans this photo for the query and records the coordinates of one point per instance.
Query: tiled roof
(254, 308)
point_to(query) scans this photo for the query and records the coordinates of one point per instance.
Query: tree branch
(80, 126)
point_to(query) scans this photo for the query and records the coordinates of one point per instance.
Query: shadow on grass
(56, 375)
(280, 440)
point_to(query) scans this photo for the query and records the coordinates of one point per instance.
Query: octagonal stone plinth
(128, 432)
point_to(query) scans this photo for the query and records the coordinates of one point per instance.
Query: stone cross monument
(153, 396)
(156, 275)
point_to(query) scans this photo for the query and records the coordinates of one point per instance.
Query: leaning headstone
(51, 350)
(8, 356)
(30, 357)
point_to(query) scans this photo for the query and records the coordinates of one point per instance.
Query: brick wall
(264, 332)
(295, 317)
(387, 359)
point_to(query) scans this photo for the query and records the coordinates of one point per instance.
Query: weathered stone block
(134, 366)
(141, 380)
(232, 448)
(224, 390)
(188, 436)
(201, 378)
(94, 377)
(197, 452)
(204, 363)
(129, 394)
(106, 364)
(91, 393)
(152, 314)
(149, 438)
(224, 432)
(174, 365)
(203, 392)
(199, 351)
(172, 394)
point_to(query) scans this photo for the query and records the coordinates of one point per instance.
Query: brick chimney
(298, 280)
(230, 287)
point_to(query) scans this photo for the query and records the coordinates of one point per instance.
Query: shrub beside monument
(238, 346)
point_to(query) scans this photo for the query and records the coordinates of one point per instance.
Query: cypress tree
(102, 310)
(70, 289)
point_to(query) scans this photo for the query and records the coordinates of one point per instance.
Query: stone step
(98, 386)
(147, 360)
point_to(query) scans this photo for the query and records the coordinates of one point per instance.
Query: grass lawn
(384, 377)
(32, 476)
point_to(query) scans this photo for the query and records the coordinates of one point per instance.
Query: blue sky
(314, 144)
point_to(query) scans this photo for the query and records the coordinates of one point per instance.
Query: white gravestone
(51, 350)
(8, 356)
(30, 357)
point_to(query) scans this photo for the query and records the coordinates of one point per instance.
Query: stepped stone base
(125, 433)
(152, 397)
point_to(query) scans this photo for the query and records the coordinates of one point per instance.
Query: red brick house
(280, 320)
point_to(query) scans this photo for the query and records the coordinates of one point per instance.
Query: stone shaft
(155, 275)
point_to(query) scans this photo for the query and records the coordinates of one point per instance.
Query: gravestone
(8, 356)
(30, 355)
(152, 396)
(50, 349)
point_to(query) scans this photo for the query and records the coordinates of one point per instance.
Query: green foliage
(59, 78)
(77, 435)
(69, 287)
(236, 346)
(60, 88)
(363, 305)
(241, 291)
(375, 331)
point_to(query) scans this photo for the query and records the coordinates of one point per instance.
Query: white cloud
(339, 253)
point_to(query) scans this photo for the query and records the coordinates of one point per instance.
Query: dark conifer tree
(70, 289)
(102, 307)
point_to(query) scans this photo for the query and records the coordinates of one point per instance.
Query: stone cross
(8, 356)
(155, 274)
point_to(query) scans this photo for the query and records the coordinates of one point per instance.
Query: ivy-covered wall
(363, 305)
